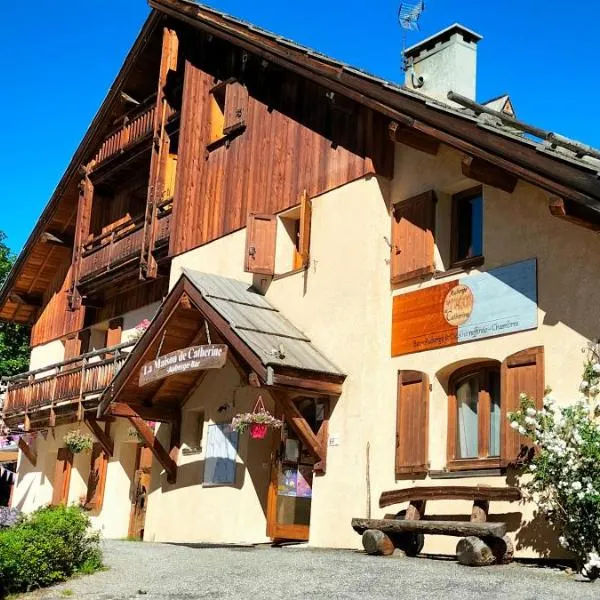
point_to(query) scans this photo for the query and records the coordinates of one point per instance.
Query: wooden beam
(488, 174)
(175, 441)
(152, 413)
(28, 299)
(403, 134)
(299, 424)
(28, 451)
(163, 457)
(564, 209)
(56, 238)
(455, 528)
(101, 435)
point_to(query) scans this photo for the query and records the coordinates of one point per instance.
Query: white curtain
(466, 399)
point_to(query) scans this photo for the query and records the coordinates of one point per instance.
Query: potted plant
(258, 421)
(77, 442)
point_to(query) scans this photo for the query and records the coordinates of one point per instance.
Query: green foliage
(14, 338)
(565, 470)
(78, 442)
(47, 547)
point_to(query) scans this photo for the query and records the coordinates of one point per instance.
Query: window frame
(471, 261)
(483, 460)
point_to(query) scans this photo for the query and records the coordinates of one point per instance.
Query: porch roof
(260, 339)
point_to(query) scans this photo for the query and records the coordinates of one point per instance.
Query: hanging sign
(195, 358)
(498, 302)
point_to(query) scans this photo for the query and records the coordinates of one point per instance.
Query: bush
(565, 470)
(8, 517)
(47, 547)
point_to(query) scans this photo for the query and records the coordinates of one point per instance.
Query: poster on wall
(295, 482)
(498, 302)
(221, 454)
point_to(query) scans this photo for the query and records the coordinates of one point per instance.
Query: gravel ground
(174, 572)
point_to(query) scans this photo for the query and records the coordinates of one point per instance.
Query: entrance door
(290, 492)
(141, 488)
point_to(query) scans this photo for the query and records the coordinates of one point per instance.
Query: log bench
(482, 543)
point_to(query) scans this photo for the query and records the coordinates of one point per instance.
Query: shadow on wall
(33, 487)
(540, 535)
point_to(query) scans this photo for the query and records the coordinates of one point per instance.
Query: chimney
(444, 62)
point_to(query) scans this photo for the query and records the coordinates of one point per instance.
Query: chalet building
(384, 267)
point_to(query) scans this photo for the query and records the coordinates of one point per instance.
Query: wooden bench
(483, 543)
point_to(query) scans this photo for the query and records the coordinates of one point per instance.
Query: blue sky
(64, 55)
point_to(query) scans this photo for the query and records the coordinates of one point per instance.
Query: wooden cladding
(413, 226)
(412, 423)
(293, 141)
(260, 244)
(97, 478)
(62, 476)
(304, 230)
(521, 373)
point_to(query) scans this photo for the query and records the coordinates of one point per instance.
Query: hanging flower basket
(78, 442)
(258, 421)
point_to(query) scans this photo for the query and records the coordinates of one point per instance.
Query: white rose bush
(565, 468)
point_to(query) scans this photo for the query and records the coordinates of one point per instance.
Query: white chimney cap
(442, 36)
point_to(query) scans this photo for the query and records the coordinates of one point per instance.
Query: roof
(501, 104)
(263, 328)
(558, 164)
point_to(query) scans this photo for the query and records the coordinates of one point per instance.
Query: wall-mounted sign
(195, 358)
(500, 301)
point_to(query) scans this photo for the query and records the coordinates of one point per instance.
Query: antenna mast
(408, 17)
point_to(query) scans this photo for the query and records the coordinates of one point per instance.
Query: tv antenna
(408, 17)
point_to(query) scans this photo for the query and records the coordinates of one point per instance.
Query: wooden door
(141, 489)
(290, 490)
(62, 476)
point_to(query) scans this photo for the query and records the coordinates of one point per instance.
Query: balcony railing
(122, 245)
(113, 248)
(137, 125)
(72, 380)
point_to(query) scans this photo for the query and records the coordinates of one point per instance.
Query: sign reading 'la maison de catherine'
(498, 302)
(195, 358)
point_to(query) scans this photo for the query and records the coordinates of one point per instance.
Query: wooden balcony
(122, 246)
(137, 126)
(59, 386)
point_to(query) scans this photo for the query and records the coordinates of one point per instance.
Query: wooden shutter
(305, 220)
(62, 476)
(413, 224)
(522, 373)
(412, 423)
(236, 107)
(260, 244)
(97, 478)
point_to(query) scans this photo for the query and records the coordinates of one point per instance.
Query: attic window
(228, 109)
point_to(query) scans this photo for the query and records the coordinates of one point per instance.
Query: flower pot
(258, 431)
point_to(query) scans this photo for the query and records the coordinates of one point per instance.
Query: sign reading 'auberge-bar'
(195, 358)
(498, 302)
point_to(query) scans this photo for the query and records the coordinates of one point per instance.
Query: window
(220, 456)
(474, 419)
(467, 228)
(228, 108)
(289, 234)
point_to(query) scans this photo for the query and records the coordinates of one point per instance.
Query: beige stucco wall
(344, 303)
(188, 511)
(34, 484)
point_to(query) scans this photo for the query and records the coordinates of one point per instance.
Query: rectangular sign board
(195, 358)
(498, 302)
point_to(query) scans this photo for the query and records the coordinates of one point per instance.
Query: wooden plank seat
(483, 543)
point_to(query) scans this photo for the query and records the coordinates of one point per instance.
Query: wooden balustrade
(136, 126)
(70, 380)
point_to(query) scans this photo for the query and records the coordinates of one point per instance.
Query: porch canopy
(264, 346)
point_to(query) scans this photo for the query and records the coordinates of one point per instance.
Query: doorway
(141, 488)
(290, 490)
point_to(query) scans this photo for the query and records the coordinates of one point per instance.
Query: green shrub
(47, 547)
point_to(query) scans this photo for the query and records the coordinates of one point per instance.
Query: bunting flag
(7, 475)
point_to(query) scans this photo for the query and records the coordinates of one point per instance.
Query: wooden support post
(169, 465)
(480, 511)
(474, 552)
(377, 542)
(415, 510)
(152, 413)
(102, 436)
(298, 423)
(488, 174)
(28, 451)
(565, 209)
(175, 442)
